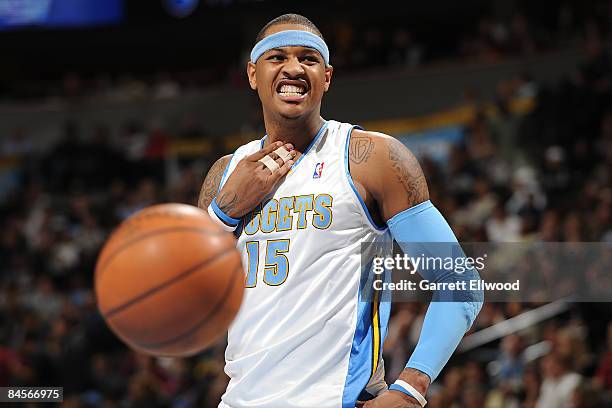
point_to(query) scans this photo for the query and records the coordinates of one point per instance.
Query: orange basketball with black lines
(169, 281)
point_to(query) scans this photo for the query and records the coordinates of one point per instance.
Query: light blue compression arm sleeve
(422, 230)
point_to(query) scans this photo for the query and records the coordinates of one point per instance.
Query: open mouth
(292, 91)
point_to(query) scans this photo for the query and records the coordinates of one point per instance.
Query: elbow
(475, 299)
(465, 293)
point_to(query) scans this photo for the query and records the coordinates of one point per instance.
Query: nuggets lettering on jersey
(288, 213)
(302, 338)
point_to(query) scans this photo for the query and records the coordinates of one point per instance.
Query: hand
(251, 181)
(390, 399)
(395, 399)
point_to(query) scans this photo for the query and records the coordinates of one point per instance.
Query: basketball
(169, 281)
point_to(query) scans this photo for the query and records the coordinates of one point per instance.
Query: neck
(298, 132)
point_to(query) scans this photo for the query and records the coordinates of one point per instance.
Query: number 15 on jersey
(276, 264)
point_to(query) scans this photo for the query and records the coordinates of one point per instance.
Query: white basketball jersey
(302, 337)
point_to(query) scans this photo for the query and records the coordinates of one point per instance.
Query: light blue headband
(291, 38)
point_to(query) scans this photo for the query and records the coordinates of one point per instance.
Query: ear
(251, 75)
(328, 74)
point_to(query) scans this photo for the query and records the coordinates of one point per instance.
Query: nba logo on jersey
(318, 170)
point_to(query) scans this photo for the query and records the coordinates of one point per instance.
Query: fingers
(277, 158)
(265, 151)
(270, 163)
(269, 149)
(282, 155)
(282, 171)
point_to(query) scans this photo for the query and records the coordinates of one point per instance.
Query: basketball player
(301, 200)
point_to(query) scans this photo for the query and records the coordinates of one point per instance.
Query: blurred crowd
(542, 177)
(545, 177)
(356, 46)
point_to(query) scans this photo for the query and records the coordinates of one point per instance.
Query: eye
(275, 57)
(311, 59)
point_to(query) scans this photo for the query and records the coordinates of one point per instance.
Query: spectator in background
(473, 396)
(511, 364)
(555, 174)
(156, 151)
(165, 87)
(374, 47)
(18, 145)
(526, 195)
(404, 52)
(133, 142)
(98, 153)
(558, 384)
(586, 396)
(549, 228)
(603, 377)
(531, 387)
(480, 206)
(503, 227)
(59, 165)
(521, 41)
(571, 346)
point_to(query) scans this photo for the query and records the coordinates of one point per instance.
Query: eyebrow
(306, 50)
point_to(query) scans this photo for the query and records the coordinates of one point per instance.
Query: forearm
(422, 230)
(437, 341)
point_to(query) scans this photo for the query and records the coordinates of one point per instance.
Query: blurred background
(109, 106)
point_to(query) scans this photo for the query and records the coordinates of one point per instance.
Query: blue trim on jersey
(360, 360)
(350, 179)
(312, 143)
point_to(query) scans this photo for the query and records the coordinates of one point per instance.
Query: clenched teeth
(292, 90)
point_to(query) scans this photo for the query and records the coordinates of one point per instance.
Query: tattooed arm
(390, 180)
(210, 186)
(394, 187)
(387, 175)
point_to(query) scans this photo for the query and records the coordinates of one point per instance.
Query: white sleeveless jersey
(302, 338)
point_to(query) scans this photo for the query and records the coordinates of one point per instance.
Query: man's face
(290, 81)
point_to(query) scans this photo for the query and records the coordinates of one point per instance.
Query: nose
(293, 68)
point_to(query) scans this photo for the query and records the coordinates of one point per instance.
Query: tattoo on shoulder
(409, 173)
(360, 148)
(211, 182)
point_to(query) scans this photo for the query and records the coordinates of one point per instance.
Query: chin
(292, 113)
(291, 116)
